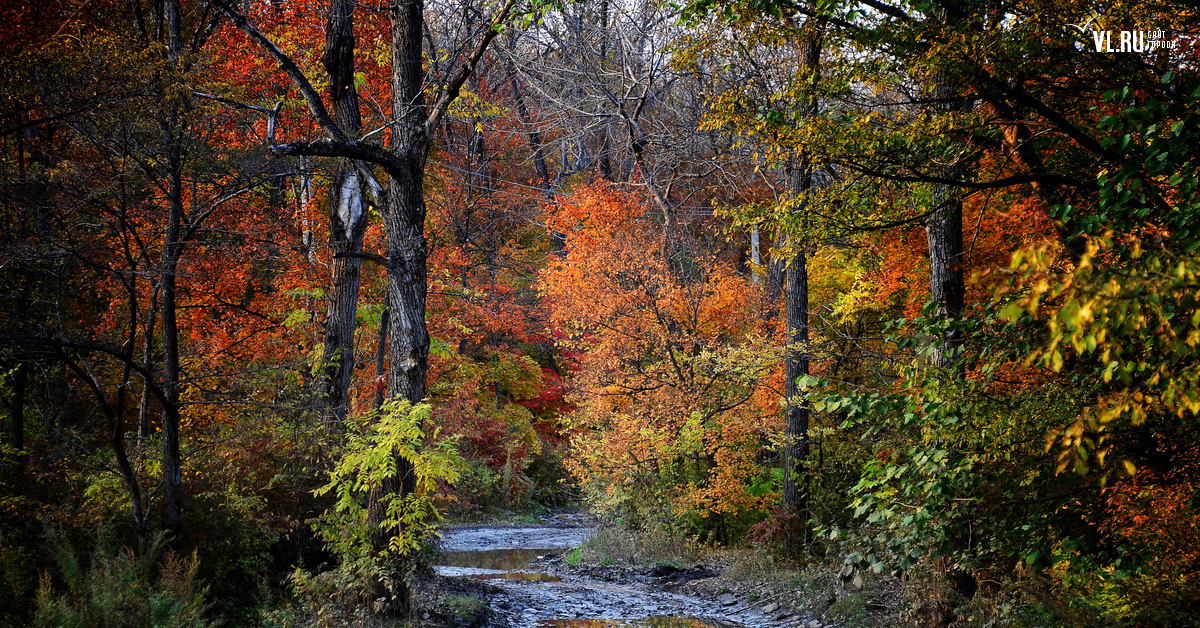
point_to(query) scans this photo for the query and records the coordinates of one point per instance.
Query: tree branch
(315, 104)
(452, 89)
(352, 149)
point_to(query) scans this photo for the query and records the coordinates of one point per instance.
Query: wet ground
(535, 587)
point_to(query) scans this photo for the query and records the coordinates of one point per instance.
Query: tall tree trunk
(172, 463)
(404, 212)
(347, 218)
(943, 230)
(148, 360)
(796, 447)
(404, 223)
(796, 364)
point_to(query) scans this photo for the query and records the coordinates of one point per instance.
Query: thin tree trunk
(755, 255)
(796, 365)
(148, 360)
(17, 418)
(117, 438)
(116, 421)
(172, 463)
(381, 355)
(172, 469)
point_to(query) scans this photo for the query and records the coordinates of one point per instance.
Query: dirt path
(534, 586)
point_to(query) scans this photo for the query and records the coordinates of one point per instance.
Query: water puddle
(520, 576)
(644, 622)
(498, 559)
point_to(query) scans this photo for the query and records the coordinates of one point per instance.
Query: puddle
(460, 539)
(500, 559)
(562, 598)
(644, 622)
(521, 576)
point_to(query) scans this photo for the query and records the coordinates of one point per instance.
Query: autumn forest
(900, 296)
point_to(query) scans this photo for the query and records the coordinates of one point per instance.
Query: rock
(663, 570)
(770, 608)
(727, 599)
(782, 616)
(813, 624)
(425, 616)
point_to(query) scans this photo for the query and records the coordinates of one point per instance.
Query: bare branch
(452, 89)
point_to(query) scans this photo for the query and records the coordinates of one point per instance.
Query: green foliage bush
(365, 578)
(154, 588)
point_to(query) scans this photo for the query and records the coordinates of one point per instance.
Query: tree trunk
(943, 230)
(172, 463)
(347, 219)
(172, 470)
(795, 450)
(148, 360)
(404, 223)
(381, 355)
(16, 410)
(796, 356)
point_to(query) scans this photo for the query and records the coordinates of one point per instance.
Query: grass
(620, 546)
(575, 556)
(467, 608)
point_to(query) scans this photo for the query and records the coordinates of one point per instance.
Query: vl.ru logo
(1126, 41)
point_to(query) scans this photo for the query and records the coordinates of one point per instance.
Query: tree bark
(796, 357)
(172, 463)
(148, 360)
(404, 223)
(347, 218)
(943, 230)
(172, 469)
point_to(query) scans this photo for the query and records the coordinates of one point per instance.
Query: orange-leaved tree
(669, 371)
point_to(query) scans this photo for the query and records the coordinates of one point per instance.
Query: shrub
(157, 588)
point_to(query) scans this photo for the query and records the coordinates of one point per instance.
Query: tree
(402, 203)
(672, 405)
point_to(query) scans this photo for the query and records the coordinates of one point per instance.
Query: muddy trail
(532, 584)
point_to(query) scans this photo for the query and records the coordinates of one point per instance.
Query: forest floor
(565, 573)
